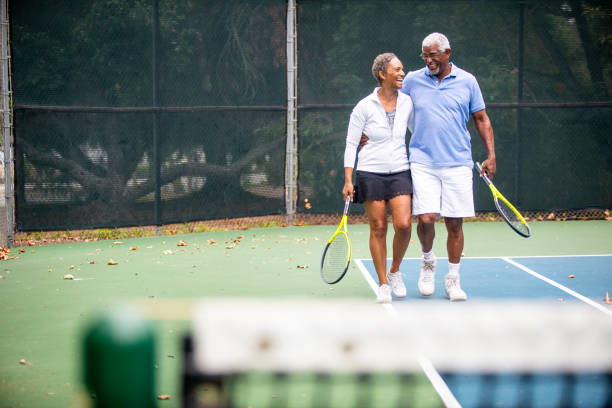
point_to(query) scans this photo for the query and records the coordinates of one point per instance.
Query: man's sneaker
(453, 289)
(427, 282)
(397, 284)
(384, 294)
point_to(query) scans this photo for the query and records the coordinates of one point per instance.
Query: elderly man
(444, 97)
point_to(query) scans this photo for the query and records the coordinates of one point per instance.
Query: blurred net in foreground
(355, 354)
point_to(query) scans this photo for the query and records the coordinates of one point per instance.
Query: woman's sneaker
(384, 294)
(397, 284)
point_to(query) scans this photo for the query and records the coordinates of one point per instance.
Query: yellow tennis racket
(510, 214)
(337, 254)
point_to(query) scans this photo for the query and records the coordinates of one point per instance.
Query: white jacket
(385, 151)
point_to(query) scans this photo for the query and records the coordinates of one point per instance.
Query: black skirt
(378, 187)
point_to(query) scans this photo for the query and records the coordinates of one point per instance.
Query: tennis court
(545, 278)
(44, 316)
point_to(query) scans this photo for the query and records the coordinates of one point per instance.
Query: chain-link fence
(153, 112)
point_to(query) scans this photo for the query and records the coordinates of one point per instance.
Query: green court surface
(43, 315)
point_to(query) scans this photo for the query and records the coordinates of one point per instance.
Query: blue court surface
(562, 279)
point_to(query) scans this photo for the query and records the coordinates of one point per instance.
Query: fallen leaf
(111, 262)
(163, 397)
(92, 262)
(21, 250)
(303, 266)
(117, 243)
(240, 236)
(24, 362)
(168, 252)
(69, 277)
(71, 267)
(134, 248)
(571, 276)
(211, 242)
(181, 243)
(229, 246)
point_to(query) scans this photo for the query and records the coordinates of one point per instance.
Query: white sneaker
(384, 294)
(453, 289)
(427, 277)
(397, 284)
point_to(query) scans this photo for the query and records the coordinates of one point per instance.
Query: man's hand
(364, 140)
(489, 166)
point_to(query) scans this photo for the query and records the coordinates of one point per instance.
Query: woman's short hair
(380, 64)
(437, 38)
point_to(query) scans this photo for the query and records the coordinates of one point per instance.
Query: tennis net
(299, 353)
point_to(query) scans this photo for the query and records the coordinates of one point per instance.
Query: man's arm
(483, 125)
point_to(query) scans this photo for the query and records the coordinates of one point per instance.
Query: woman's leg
(400, 207)
(377, 218)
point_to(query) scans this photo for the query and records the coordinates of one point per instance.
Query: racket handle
(347, 202)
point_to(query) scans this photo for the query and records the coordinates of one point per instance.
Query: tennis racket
(510, 214)
(337, 254)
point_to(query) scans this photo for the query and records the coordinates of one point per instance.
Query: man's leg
(454, 247)
(454, 241)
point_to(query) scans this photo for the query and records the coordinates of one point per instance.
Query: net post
(291, 160)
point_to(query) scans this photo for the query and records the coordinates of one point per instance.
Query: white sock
(453, 270)
(428, 255)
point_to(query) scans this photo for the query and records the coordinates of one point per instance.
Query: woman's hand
(348, 190)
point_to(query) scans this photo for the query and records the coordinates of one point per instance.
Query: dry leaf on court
(92, 262)
(163, 397)
(303, 266)
(69, 277)
(24, 362)
(168, 252)
(211, 242)
(117, 243)
(181, 243)
(134, 248)
(71, 267)
(571, 276)
(111, 262)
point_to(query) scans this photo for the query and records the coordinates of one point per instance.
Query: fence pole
(156, 141)
(519, 111)
(7, 125)
(291, 160)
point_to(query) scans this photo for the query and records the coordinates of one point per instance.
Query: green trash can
(119, 361)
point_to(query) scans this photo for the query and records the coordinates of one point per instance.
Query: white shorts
(442, 190)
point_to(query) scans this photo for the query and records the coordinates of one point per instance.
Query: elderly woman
(383, 171)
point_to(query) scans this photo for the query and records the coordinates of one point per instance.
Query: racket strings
(336, 258)
(512, 217)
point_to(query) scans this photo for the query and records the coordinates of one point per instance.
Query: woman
(383, 171)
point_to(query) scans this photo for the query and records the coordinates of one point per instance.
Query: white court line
(560, 286)
(430, 371)
(518, 256)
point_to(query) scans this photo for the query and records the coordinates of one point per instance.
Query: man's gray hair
(380, 64)
(437, 38)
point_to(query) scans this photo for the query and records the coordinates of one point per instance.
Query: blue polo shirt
(441, 113)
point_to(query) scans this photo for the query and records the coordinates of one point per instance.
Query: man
(440, 155)
(444, 97)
